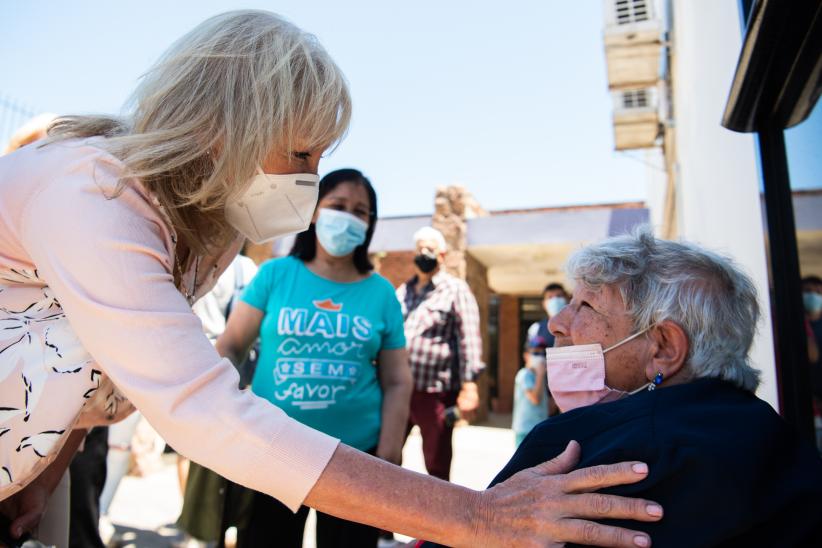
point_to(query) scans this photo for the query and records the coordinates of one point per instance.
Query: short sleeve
(394, 336)
(258, 290)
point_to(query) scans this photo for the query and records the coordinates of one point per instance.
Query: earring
(656, 382)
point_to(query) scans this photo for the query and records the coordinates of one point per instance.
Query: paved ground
(144, 508)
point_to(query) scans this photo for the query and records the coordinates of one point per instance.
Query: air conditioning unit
(636, 118)
(633, 42)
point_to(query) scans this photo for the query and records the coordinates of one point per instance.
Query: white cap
(431, 234)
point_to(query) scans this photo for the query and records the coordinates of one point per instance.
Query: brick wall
(259, 253)
(397, 266)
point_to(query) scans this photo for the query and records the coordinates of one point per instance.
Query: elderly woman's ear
(669, 350)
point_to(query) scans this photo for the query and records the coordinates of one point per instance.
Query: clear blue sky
(509, 99)
(804, 147)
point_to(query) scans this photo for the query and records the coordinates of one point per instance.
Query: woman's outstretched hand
(547, 505)
(551, 502)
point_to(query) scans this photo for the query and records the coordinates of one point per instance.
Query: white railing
(13, 114)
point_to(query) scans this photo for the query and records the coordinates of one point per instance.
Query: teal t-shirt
(319, 342)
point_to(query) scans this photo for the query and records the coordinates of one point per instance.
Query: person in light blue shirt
(332, 350)
(530, 398)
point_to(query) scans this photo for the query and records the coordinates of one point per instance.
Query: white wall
(657, 182)
(718, 188)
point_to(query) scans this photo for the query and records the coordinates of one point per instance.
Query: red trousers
(428, 412)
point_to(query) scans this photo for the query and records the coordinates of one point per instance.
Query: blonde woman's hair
(238, 87)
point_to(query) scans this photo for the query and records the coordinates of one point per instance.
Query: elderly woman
(111, 229)
(651, 363)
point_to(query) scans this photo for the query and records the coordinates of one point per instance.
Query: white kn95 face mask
(274, 205)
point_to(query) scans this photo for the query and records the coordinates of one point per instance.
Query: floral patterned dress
(42, 359)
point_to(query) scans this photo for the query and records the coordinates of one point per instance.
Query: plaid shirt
(442, 333)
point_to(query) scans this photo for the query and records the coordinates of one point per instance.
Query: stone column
(448, 219)
(453, 205)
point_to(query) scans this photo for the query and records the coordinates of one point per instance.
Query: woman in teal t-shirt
(332, 350)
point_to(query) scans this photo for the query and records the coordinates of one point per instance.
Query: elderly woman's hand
(548, 501)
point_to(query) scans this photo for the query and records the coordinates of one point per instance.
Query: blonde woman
(113, 227)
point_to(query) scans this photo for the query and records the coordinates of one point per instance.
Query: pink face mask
(576, 374)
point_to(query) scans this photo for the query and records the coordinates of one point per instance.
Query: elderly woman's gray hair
(703, 292)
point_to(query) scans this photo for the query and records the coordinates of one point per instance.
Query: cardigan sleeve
(107, 261)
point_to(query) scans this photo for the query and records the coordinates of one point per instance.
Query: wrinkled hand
(25, 508)
(550, 502)
(468, 401)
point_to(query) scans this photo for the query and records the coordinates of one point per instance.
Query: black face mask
(426, 263)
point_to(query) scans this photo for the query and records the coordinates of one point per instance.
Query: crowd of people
(121, 288)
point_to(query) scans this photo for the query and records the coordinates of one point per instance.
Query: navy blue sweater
(726, 468)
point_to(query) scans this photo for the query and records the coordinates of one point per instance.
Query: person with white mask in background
(114, 226)
(540, 338)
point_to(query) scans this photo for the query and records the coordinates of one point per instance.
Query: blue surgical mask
(812, 301)
(554, 305)
(339, 232)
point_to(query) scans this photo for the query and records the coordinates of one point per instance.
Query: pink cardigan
(87, 298)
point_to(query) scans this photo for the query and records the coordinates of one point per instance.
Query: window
(635, 98)
(631, 11)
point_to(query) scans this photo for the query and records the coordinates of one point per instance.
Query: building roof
(397, 233)
(553, 226)
(521, 226)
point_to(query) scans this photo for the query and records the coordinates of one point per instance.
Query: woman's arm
(396, 383)
(540, 506)
(537, 392)
(26, 507)
(241, 330)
